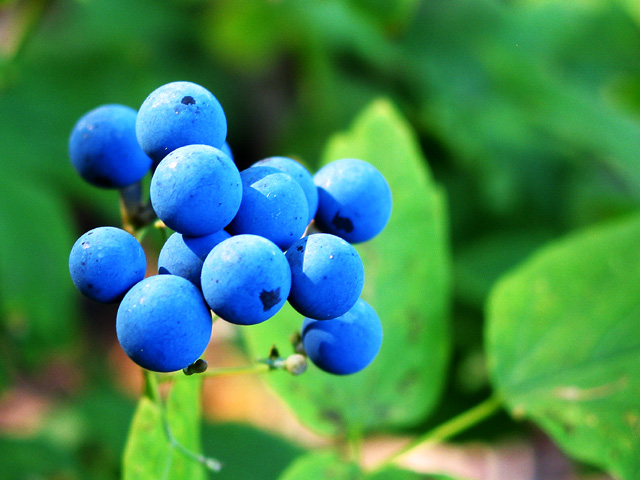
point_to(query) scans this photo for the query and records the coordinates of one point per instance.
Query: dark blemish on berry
(342, 223)
(90, 286)
(270, 298)
(300, 248)
(188, 100)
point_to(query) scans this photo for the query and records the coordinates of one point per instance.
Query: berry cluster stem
(446, 430)
(242, 370)
(135, 213)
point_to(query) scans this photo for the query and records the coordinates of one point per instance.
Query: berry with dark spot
(179, 114)
(246, 279)
(354, 200)
(269, 298)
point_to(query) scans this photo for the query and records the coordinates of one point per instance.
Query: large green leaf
(407, 282)
(563, 341)
(149, 454)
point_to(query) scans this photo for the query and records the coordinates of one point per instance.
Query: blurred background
(528, 112)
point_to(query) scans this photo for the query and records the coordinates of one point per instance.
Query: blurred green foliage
(528, 112)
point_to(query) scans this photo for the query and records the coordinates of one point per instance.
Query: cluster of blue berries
(243, 242)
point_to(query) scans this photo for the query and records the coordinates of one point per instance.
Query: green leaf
(407, 282)
(149, 453)
(563, 342)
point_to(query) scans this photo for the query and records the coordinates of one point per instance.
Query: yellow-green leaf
(563, 342)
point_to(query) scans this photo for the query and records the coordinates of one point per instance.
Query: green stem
(210, 463)
(354, 445)
(152, 391)
(134, 212)
(446, 430)
(247, 369)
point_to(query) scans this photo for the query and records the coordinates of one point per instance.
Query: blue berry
(196, 190)
(346, 344)
(104, 150)
(184, 256)
(246, 279)
(273, 206)
(179, 114)
(106, 262)
(354, 200)
(327, 276)
(300, 174)
(163, 323)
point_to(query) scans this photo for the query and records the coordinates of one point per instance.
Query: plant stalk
(445, 430)
(244, 370)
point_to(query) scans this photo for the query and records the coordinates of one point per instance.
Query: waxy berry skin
(104, 150)
(354, 200)
(179, 114)
(246, 279)
(196, 190)
(184, 256)
(106, 262)
(273, 206)
(300, 174)
(346, 344)
(327, 276)
(163, 323)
